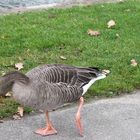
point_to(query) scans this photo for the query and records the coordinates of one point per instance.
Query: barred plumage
(49, 86)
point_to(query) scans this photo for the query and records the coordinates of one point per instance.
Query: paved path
(106, 119)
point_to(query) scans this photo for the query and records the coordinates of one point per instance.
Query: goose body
(44, 95)
(51, 86)
(48, 87)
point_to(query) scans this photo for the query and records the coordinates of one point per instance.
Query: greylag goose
(48, 87)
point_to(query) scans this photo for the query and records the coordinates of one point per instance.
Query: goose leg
(48, 130)
(78, 117)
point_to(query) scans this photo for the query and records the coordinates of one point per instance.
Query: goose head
(7, 81)
(4, 87)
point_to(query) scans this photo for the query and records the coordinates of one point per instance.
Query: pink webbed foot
(46, 131)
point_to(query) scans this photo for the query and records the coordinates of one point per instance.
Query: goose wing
(55, 73)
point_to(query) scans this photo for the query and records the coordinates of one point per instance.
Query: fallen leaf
(63, 57)
(19, 114)
(93, 33)
(111, 24)
(8, 94)
(134, 63)
(106, 72)
(19, 66)
(20, 111)
(16, 117)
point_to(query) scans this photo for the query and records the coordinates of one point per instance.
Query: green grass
(8, 107)
(41, 37)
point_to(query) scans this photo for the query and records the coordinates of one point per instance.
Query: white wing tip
(87, 86)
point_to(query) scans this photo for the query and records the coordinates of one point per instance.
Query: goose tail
(100, 74)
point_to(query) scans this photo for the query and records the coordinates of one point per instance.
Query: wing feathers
(67, 74)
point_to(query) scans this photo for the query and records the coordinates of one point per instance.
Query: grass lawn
(41, 37)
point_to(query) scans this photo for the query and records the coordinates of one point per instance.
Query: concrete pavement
(105, 119)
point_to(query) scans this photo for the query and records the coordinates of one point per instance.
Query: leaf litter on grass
(111, 24)
(134, 63)
(93, 33)
(19, 66)
(19, 114)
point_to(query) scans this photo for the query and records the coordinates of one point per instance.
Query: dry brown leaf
(63, 57)
(93, 33)
(16, 117)
(134, 63)
(8, 94)
(111, 24)
(20, 111)
(19, 66)
(19, 114)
